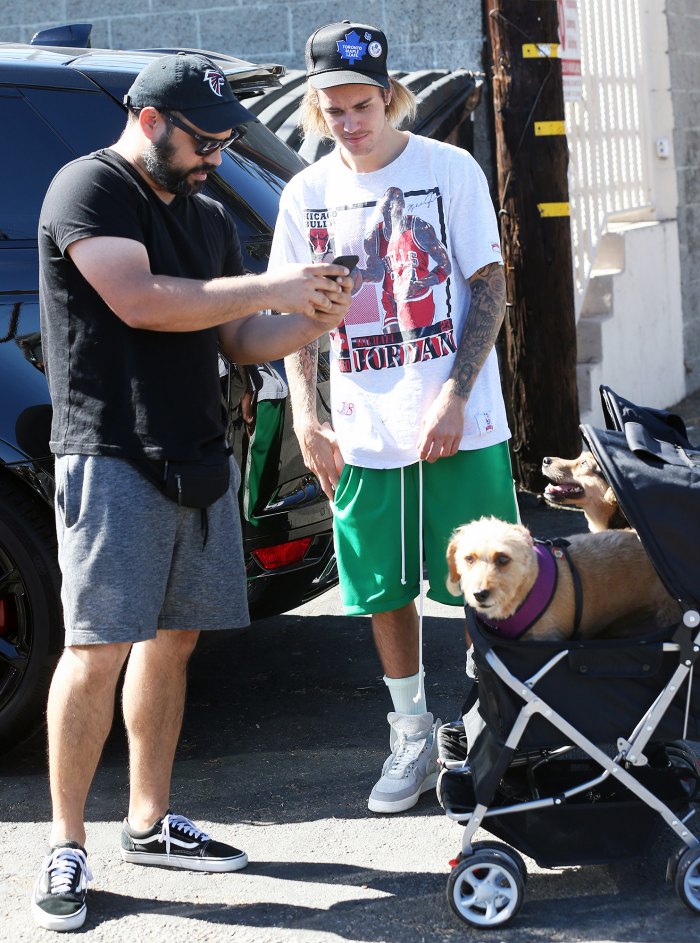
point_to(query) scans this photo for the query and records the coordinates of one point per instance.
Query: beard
(157, 159)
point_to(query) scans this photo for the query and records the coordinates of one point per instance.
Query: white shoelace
(183, 824)
(61, 865)
(406, 752)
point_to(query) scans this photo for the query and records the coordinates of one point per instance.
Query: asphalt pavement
(284, 735)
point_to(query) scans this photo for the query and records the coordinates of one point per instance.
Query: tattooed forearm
(307, 360)
(486, 311)
(302, 368)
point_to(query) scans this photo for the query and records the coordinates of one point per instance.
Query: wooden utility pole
(539, 354)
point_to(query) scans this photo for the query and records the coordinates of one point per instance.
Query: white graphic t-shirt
(428, 213)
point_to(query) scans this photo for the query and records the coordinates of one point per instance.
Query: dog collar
(536, 601)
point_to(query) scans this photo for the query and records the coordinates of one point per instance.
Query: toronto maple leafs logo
(351, 48)
(216, 81)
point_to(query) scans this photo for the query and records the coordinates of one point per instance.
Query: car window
(249, 182)
(268, 151)
(49, 128)
(56, 125)
(247, 195)
(29, 158)
(85, 120)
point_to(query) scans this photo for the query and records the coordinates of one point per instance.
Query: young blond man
(418, 442)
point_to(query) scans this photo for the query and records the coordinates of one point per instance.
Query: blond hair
(402, 107)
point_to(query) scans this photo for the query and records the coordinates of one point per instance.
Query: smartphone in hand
(349, 261)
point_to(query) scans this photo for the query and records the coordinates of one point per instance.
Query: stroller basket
(604, 823)
(601, 686)
(576, 749)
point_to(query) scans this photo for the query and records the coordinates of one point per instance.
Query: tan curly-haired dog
(495, 565)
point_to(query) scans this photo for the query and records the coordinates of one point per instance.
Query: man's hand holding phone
(339, 301)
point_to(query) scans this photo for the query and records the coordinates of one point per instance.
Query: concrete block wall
(274, 29)
(446, 35)
(684, 58)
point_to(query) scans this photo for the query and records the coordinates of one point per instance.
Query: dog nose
(547, 460)
(481, 595)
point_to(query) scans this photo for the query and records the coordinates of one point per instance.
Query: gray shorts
(133, 561)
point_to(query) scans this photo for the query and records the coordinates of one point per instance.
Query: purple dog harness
(536, 601)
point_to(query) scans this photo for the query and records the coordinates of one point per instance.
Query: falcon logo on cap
(215, 79)
(352, 48)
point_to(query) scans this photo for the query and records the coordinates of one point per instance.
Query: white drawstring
(403, 535)
(419, 692)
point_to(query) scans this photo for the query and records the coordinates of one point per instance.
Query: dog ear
(609, 497)
(521, 529)
(452, 582)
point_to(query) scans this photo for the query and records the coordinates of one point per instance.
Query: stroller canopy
(654, 471)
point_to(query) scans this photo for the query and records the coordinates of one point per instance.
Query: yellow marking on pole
(541, 50)
(553, 209)
(544, 128)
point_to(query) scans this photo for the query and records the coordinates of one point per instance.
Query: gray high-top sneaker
(410, 769)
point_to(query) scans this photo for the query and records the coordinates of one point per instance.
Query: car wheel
(31, 628)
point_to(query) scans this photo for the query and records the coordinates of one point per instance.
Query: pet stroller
(577, 750)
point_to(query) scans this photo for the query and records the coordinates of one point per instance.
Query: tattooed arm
(443, 425)
(318, 443)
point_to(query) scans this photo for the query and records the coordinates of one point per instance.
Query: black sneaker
(176, 842)
(452, 745)
(60, 893)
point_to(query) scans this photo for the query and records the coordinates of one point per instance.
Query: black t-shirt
(117, 390)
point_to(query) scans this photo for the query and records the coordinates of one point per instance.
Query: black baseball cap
(345, 54)
(191, 84)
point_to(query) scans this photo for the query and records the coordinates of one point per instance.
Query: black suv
(58, 102)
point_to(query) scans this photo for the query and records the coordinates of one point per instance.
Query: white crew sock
(403, 691)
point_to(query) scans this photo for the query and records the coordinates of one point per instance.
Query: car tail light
(271, 558)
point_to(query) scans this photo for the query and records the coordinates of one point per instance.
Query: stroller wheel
(486, 889)
(687, 878)
(500, 848)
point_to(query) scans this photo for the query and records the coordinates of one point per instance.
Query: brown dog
(579, 483)
(494, 565)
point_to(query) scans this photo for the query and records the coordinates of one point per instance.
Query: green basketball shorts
(376, 524)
